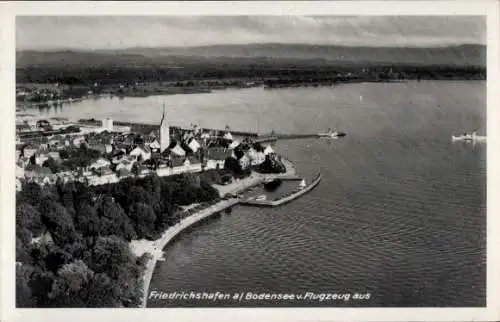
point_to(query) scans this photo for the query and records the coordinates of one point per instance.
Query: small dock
(289, 177)
(296, 136)
(286, 199)
(265, 139)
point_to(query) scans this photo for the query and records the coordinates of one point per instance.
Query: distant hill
(463, 55)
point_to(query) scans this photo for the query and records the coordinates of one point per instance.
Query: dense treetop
(72, 239)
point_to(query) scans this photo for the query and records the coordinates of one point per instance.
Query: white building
(256, 157)
(107, 124)
(154, 145)
(194, 145)
(228, 136)
(100, 163)
(234, 144)
(178, 150)
(142, 152)
(125, 164)
(268, 150)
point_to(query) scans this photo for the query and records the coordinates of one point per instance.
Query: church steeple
(164, 131)
(163, 115)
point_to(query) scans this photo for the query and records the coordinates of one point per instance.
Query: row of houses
(129, 154)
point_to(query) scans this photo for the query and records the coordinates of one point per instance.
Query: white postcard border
(8, 11)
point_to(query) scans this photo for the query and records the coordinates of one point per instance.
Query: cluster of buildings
(98, 155)
(53, 93)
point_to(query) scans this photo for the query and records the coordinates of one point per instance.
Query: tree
(40, 284)
(66, 193)
(22, 252)
(83, 195)
(59, 222)
(56, 258)
(69, 284)
(30, 194)
(76, 250)
(53, 165)
(102, 292)
(87, 221)
(136, 169)
(152, 184)
(28, 222)
(144, 219)
(111, 255)
(138, 194)
(113, 219)
(24, 298)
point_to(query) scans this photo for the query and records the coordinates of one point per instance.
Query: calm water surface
(400, 212)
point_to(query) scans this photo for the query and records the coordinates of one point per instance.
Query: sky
(118, 32)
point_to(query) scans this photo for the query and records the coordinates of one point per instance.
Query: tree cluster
(73, 158)
(72, 239)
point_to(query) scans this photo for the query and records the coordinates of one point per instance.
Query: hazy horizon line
(80, 49)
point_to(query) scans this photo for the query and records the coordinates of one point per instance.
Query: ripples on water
(400, 212)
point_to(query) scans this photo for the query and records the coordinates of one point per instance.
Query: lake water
(400, 212)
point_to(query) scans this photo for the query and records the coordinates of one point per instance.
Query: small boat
(331, 135)
(468, 137)
(302, 184)
(261, 198)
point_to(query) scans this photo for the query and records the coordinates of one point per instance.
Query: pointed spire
(163, 115)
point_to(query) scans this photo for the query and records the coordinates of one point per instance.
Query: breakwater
(296, 136)
(285, 199)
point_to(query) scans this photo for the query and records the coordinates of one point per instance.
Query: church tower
(164, 132)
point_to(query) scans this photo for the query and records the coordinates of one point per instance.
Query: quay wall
(176, 230)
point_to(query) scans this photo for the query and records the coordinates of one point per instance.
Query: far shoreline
(204, 90)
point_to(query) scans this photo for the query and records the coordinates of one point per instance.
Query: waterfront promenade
(155, 248)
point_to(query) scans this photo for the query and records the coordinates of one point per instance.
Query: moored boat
(468, 137)
(331, 134)
(261, 198)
